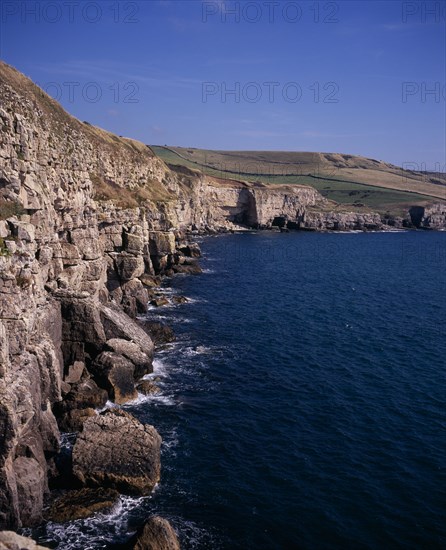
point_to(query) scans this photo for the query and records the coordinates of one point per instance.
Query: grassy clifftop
(347, 179)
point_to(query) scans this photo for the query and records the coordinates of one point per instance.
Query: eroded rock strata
(89, 223)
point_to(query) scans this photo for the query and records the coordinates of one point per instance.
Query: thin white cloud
(113, 72)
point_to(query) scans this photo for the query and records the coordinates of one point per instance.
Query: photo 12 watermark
(28, 11)
(92, 92)
(423, 12)
(228, 11)
(429, 172)
(423, 92)
(269, 92)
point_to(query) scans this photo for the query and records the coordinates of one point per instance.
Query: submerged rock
(81, 504)
(147, 387)
(157, 534)
(180, 300)
(115, 450)
(190, 266)
(159, 301)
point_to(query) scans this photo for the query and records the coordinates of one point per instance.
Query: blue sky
(347, 76)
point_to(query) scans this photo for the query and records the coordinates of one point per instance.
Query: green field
(278, 168)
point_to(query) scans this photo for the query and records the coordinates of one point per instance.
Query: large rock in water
(115, 373)
(141, 361)
(82, 504)
(115, 450)
(11, 541)
(158, 332)
(157, 534)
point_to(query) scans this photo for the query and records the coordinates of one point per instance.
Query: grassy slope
(65, 127)
(346, 179)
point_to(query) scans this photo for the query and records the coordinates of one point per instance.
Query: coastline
(163, 289)
(89, 222)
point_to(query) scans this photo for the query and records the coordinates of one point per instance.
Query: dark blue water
(303, 405)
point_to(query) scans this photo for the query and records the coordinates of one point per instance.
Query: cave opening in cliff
(279, 221)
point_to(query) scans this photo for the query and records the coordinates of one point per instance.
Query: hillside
(346, 179)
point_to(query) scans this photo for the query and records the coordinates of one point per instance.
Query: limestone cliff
(84, 217)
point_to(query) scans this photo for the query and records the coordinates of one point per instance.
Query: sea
(303, 403)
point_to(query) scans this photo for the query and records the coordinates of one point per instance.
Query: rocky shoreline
(105, 352)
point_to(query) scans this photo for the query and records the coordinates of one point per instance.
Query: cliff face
(433, 217)
(71, 263)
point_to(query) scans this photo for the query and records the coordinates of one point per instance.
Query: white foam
(107, 406)
(197, 350)
(98, 530)
(160, 368)
(150, 398)
(67, 440)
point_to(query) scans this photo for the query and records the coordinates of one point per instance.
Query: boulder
(158, 332)
(116, 374)
(12, 541)
(157, 534)
(150, 281)
(131, 351)
(118, 325)
(82, 503)
(159, 301)
(79, 404)
(115, 450)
